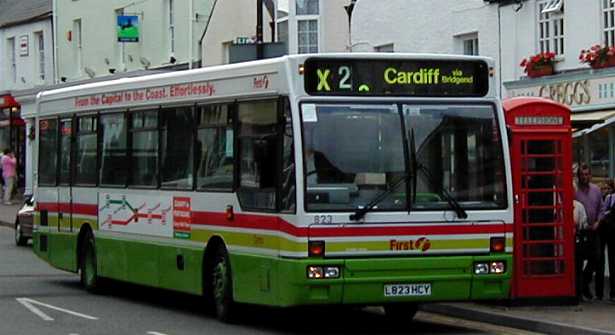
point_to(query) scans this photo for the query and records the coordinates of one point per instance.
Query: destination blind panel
(417, 78)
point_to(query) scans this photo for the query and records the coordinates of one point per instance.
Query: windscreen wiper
(360, 213)
(417, 166)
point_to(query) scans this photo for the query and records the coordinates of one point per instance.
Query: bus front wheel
(222, 286)
(89, 273)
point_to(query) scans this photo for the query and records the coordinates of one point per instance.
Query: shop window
(86, 151)
(599, 153)
(48, 148)
(113, 146)
(215, 148)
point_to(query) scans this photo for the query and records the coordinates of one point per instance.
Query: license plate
(407, 290)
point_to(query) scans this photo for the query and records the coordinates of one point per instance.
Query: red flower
(596, 54)
(540, 59)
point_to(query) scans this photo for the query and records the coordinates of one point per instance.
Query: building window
(551, 26)
(385, 48)
(12, 60)
(470, 46)
(307, 31)
(171, 28)
(40, 42)
(307, 7)
(608, 22)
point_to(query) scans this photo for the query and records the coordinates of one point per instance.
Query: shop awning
(591, 117)
(603, 123)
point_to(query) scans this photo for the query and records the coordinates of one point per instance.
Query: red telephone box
(541, 161)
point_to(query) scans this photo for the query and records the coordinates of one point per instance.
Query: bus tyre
(20, 240)
(400, 312)
(89, 273)
(222, 285)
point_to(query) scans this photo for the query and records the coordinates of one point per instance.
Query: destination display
(384, 77)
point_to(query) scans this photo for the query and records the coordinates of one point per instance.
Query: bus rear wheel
(88, 265)
(400, 312)
(222, 286)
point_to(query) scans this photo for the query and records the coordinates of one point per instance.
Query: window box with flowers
(598, 56)
(539, 65)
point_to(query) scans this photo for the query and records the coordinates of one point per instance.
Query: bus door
(65, 203)
(541, 162)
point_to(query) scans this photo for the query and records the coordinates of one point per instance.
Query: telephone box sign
(539, 120)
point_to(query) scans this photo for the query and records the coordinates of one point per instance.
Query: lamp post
(349, 8)
(259, 29)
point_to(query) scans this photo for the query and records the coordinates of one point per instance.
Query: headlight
(496, 268)
(481, 268)
(320, 272)
(315, 272)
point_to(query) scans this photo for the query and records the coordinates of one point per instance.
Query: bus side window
(48, 147)
(258, 159)
(288, 197)
(113, 149)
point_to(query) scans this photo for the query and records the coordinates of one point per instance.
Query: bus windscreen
(396, 77)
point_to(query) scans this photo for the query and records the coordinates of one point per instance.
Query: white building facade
(26, 64)
(509, 31)
(87, 36)
(303, 26)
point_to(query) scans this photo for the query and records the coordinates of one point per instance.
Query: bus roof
(259, 77)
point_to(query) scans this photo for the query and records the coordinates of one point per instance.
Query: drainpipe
(190, 32)
(55, 40)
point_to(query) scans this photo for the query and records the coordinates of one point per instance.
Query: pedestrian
(590, 196)
(9, 174)
(607, 238)
(581, 229)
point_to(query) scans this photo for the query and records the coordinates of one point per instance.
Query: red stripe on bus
(66, 208)
(277, 224)
(274, 223)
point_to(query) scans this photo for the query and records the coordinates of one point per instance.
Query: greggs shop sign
(577, 92)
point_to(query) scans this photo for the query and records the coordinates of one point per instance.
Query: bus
(327, 179)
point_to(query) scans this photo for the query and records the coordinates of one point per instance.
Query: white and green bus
(350, 179)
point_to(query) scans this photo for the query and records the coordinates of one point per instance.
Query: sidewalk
(595, 317)
(8, 213)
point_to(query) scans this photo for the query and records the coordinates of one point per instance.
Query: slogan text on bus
(201, 89)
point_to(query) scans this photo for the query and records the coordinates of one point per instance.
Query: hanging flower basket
(598, 57)
(539, 65)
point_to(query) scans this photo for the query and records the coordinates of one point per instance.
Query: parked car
(24, 222)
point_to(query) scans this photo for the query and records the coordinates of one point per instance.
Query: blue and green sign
(128, 28)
